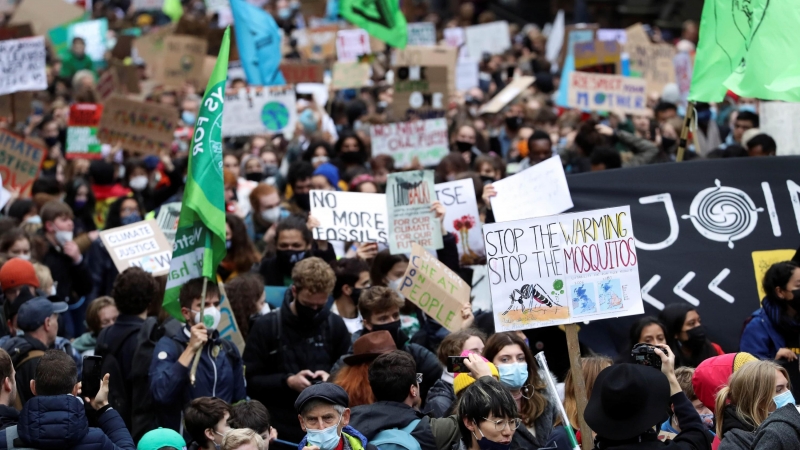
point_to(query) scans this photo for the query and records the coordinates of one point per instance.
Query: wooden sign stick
(574, 349)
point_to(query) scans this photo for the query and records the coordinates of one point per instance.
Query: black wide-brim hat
(627, 400)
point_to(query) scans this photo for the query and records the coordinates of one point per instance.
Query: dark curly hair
(243, 292)
(133, 291)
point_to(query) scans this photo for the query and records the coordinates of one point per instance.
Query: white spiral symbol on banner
(723, 214)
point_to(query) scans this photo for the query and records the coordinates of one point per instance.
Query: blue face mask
(325, 439)
(513, 375)
(188, 118)
(284, 13)
(747, 107)
(308, 120)
(228, 244)
(783, 399)
(133, 218)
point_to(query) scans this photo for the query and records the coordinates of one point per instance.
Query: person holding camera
(629, 401)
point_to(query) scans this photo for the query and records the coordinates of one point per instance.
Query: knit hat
(161, 437)
(713, 373)
(17, 272)
(330, 172)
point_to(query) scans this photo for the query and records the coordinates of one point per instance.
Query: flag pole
(685, 131)
(196, 361)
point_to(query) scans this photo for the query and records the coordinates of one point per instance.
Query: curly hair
(355, 381)
(314, 275)
(133, 290)
(243, 292)
(378, 299)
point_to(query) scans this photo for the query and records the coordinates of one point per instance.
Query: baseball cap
(160, 438)
(32, 313)
(17, 272)
(329, 392)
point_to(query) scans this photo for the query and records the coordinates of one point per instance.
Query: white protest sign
(421, 33)
(492, 38)
(454, 37)
(535, 192)
(93, 33)
(424, 139)
(5, 195)
(350, 44)
(782, 122)
(141, 244)
(22, 65)
(349, 216)
(260, 110)
(563, 269)
(462, 219)
(467, 74)
(612, 34)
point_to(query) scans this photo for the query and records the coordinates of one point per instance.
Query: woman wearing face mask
(686, 335)
(252, 168)
(17, 244)
(241, 254)
(465, 142)
(81, 199)
(351, 152)
(318, 153)
(248, 300)
(293, 243)
(488, 417)
(519, 373)
(265, 212)
(753, 393)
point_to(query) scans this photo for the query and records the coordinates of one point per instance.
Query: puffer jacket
(353, 440)
(59, 422)
(440, 398)
(432, 434)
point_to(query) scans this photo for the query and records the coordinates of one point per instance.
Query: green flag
(770, 69)
(200, 239)
(724, 30)
(381, 18)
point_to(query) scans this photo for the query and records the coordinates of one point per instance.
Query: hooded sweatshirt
(781, 430)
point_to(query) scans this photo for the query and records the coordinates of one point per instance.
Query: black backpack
(119, 390)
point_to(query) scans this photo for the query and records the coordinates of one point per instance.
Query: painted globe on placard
(275, 116)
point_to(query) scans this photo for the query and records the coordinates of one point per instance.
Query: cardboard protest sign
(302, 72)
(574, 34)
(82, 125)
(182, 61)
(349, 216)
(423, 139)
(509, 93)
(492, 38)
(420, 92)
(438, 56)
(167, 219)
(543, 186)
(598, 57)
(650, 61)
(150, 47)
(437, 290)
(350, 75)
(781, 121)
(350, 44)
(93, 32)
(409, 196)
(43, 15)
(122, 49)
(563, 269)
(462, 219)
(7, 6)
(612, 34)
(318, 43)
(138, 126)
(22, 63)
(421, 33)
(595, 92)
(20, 162)
(141, 244)
(259, 110)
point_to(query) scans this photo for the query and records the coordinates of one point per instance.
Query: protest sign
(16, 106)
(650, 61)
(509, 93)
(167, 219)
(439, 56)
(404, 141)
(782, 122)
(82, 131)
(595, 92)
(454, 37)
(93, 32)
(563, 269)
(492, 38)
(421, 33)
(142, 127)
(147, 5)
(141, 244)
(467, 73)
(683, 63)
(302, 72)
(437, 290)
(182, 61)
(409, 196)
(20, 162)
(420, 91)
(7, 6)
(612, 34)
(543, 188)
(318, 43)
(349, 216)
(350, 75)
(462, 219)
(228, 328)
(580, 32)
(598, 57)
(22, 63)
(259, 110)
(150, 47)
(350, 44)
(44, 15)
(122, 49)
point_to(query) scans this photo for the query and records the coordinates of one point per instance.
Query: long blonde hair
(750, 390)
(592, 366)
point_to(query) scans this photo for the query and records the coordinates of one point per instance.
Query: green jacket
(71, 65)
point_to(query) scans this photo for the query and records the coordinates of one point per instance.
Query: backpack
(12, 439)
(19, 357)
(397, 439)
(143, 414)
(119, 395)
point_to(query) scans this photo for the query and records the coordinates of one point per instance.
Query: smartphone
(92, 376)
(456, 364)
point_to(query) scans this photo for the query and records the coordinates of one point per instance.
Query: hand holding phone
(456, 364)
(92, 376)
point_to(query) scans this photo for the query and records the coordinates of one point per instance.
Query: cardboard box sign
(420, 92)
(598, 57)
(350, 75)
(20, 162)
(596, 92)
(295, 73)
(141, 244)
(182, 61)
(438, 56)
(139, 126)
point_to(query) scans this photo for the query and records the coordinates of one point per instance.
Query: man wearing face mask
(295, 346)
(324, 414)
(514, 118)
(299, 179)
(293, 243)
(220, 372)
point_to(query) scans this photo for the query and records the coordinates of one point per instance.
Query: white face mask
(24, 256)
(52, 290)
(272, 214)
(138, 183)
(211, 317)
(317, 160)
(264, 309)
(62, 237)
(34, 220)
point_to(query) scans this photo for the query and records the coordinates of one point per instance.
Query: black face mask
(393, 328)
(697, 338)
(51, 141)
(303, 201)
(463, 146)
(487, 179)
(795, 301)
(356, 294)
(668, 143)
(254, 176)
(351, 157)
(288, 258)
(513, 123)
(304, 312)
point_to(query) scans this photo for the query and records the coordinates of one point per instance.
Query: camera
(645, 355)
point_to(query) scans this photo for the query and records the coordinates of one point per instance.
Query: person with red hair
(353, 377)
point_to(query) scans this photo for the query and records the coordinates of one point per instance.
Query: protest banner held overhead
(298, 72)
(425, 140)
(93, 32)
(421, 33)
(44, 15)
(543, 188)
(650, 61)
(140, 127)
(438, 56)
(409, 196)
(462, 219)
(420, 91)
(257, 110)
(563, 269)
(349, 75)
(317, 44)
(351, 44)
(598, 57)
(22, 63)
(182, 61)
(492, 38)
(82, 139)
(349, 216)
(20, 162)
(597, 92)
(434, 288)
(142, 244)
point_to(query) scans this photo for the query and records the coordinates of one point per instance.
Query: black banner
(697, 226)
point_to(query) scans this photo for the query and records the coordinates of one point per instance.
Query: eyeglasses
(500, 425)
(419, 378)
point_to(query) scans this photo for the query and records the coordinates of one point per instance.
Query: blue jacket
(59, 422)
(760, 338)
(221, 377)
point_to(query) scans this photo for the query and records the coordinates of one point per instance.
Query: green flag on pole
(200, 239)
(380, 18)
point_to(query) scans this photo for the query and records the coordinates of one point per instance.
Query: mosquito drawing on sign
(533, 292)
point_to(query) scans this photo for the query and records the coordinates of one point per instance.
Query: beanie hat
(161, 437)
(741, 359)
(463, 380)
(330, 172)
(713, 373)
(17, 272)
